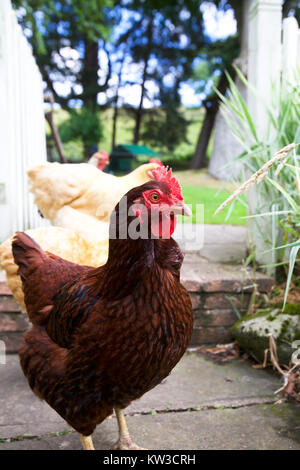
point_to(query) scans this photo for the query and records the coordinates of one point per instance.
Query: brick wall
(213, 311)
(13, 323)
(213, 301)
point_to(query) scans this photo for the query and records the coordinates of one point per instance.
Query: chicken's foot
(87, 442)
(125, 442)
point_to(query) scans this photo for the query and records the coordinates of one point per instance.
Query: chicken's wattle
(164, 225)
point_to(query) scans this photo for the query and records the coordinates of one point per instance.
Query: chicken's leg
(87, 442)
(125, 442)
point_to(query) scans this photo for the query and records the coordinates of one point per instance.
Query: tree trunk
(139, 112)
(212, 107)
(89, 80)
(56, 138)
(88, 150)
(200, 156)
(116, 108)
(90, 74)
(114, 129)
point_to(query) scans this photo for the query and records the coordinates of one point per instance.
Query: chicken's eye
(155, 197)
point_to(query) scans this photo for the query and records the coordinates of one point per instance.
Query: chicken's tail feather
(26, 252)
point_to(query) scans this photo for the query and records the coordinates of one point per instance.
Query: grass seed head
(279, 157)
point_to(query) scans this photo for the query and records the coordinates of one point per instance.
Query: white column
(264, 59)
(290, 49)
(264, 74)
(226, 148)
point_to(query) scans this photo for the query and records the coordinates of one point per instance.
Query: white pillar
(264, 59)
(226, 148)
(264, 74)
(290, 49)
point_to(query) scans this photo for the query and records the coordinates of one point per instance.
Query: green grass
(198, 186)
(125, 129)
(212, 199)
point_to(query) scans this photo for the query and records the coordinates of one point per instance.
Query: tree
(163, 38)
(66, 38)
(165, 126)
(226, 55)
(219, 58)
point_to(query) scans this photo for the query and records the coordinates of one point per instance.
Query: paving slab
(217, 243)
(260, 427)
(195, 382)
(199, 274)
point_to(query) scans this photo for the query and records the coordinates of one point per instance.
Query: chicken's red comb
(103, 154)
(156, 160)
(164, 174)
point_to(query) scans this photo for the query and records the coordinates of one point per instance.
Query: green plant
(278, 195)
(83, 124)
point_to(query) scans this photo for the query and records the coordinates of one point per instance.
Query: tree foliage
(82, 125)
(66, 37)
(166, 126)
(81, 45)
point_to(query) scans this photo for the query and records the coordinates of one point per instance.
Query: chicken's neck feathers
(131, 261)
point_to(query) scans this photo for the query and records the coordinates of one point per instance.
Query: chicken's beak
(181, 209)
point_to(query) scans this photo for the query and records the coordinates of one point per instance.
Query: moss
(292, 309)
(259, 314)
(289, 414)
(252, 332)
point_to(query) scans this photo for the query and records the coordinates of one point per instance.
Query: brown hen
(102, 337)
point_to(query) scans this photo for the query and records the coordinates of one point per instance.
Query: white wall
(22, 125)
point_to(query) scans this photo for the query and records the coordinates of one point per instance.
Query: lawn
(200, 188)
(125, 129)
(211, 200)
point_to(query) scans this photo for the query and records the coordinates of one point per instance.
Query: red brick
(196, 300)
(4, 290)
(209, 318)
(221, 301)
(222, 285)
(13, 322)
(216, 335)
(265, 284)
(7, 304)
(12, 341)
(192, 286)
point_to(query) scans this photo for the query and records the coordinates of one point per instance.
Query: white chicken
(78, 200)
(62, 242)
(81, 187)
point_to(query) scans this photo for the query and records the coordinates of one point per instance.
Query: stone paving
(216, 243)
(201, 405)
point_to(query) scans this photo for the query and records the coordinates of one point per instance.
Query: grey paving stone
(260, 427)
(194, 382)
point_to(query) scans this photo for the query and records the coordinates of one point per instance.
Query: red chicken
(102, 337)
(99, 159)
